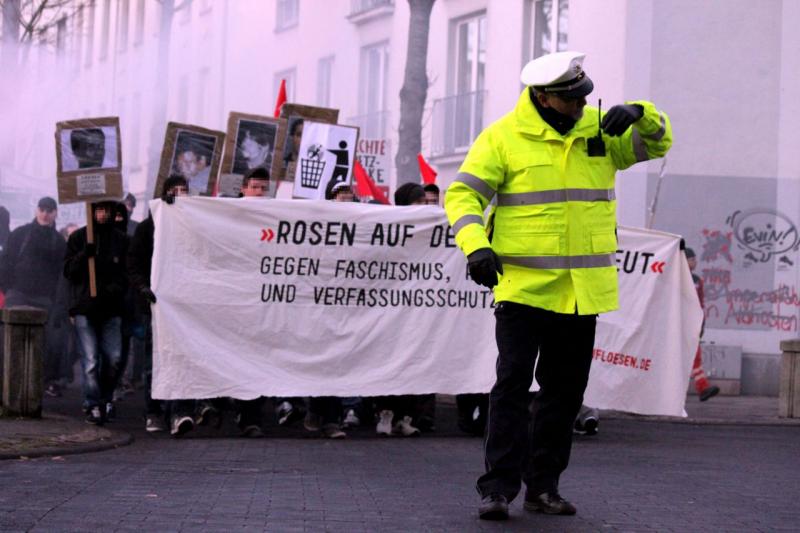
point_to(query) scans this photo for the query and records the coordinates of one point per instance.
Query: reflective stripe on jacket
(555, 219)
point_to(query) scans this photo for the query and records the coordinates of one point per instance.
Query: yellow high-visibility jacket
(554, 224)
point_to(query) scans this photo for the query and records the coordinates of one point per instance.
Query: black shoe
(111, 412)
(590, 426)
(709, 392)
(549, 503)
(493, 507)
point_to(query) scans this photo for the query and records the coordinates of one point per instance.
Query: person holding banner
(98, 320)
(549, 252)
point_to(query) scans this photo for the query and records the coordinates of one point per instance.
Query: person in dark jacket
(140, 256)
(98, 319)
(29, 275)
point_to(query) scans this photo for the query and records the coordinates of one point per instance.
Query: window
(373, 82)
(135, 115)
(324, 81)
(61, 35)
(549, 31)
(458, 118)
(105, 29)
(290, 76)
(89, 34)
(138, 32)
(122, 24)
(287, 14)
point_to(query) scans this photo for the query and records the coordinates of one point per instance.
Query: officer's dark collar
(558, 121)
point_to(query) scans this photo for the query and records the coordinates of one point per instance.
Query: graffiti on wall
(752, 241)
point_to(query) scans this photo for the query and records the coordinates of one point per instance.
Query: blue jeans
(100, 342)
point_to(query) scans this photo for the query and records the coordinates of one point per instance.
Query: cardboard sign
(89, 160)
(296, 115)
(326, 155)
(375, 155)
(194, 153)
(253, 141)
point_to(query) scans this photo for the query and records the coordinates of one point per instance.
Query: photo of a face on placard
(255, 144)
(89, 149)
(194, 153)
(192, 158)
(296, 116)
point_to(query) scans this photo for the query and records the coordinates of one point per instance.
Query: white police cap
(560, 73)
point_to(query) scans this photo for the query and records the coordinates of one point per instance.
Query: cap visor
(578, 92)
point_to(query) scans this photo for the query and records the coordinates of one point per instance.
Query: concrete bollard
(789, 396)
(23, 353)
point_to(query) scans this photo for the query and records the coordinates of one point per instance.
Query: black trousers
(534, 446)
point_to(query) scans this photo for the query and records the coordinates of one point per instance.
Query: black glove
(90, 249)
(620, 117)
(484, 265)
(169, 198)
(148, 295)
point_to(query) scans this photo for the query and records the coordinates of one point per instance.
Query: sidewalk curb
(118, 439)
(616, 415)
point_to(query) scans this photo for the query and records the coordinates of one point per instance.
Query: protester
(431, 194)
(140, 256)
(255, 183)
(130, 205)
(550, 286)
(705, 390)
(30, 269)
(410, 194)
(98, 319)
(340, 191)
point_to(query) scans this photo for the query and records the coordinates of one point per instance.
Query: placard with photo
(253, 141)
(296, 115)
(88, 160)
(194, 153)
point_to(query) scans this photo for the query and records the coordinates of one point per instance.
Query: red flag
(367, 187)
(281, 98)
(428, 174)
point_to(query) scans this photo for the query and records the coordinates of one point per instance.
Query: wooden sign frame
(172, 137)
(92, 183)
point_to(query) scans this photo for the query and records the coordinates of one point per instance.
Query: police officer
(548, 249)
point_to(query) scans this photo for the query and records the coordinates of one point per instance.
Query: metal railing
(372, 125)
(362, 6)
(457, 120)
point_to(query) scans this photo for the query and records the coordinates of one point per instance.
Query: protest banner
(288, 298)
(251, 141)
(327, 153)
(194, 153)
(89, 160)
(375, 156)
(296, 115)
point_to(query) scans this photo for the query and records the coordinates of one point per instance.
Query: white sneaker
(404, 428)
(181, 425)
(351, 419)
(333, 431)
(154, 423)
(384, 426)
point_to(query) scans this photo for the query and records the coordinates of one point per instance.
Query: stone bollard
(23, 353)
(789, 396)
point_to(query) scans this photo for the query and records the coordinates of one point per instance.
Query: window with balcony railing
(358, 7)
(458, 118)
(372, 125)
(374, 78)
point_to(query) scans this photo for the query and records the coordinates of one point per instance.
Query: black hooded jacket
(31, 260)
(111, 275)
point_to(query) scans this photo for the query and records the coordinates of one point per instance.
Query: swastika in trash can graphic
(311, 169)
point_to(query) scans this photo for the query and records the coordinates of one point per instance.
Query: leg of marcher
(506, 438)
(110, 344)
(563, 372)
(90, 363)
(251, 417)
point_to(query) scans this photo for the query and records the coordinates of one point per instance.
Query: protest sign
(296, 115)
(326, 155)
(89, 160)
(194, 153)
(375, 155)
(253, 141)
(288, 298)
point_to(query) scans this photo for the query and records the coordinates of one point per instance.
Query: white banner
(307, 298)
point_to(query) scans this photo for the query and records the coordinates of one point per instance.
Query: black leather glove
(90, 249)
(484, 265)
(620, 117)
(169, 198)
(148, 295)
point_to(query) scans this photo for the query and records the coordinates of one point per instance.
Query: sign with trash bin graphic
(326, 154)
